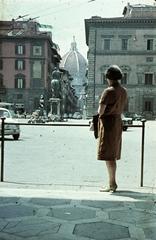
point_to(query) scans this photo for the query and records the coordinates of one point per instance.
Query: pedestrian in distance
(111, 105)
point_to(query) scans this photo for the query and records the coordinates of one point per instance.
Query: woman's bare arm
(101, 109)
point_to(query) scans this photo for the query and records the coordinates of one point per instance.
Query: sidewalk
(49, 212)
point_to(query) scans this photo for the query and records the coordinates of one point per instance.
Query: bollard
(2, 148)
(142, 151)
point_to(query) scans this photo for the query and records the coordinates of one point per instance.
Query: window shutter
(15, 82)
(16, 64)
(23, 49)
(155, 79)
(23, 82)
(16, 49)
(23, 65)
(1, 80)
(1, 64)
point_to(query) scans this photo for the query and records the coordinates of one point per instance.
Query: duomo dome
(74, 62)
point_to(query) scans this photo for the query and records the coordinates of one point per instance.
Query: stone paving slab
(76, 214)
(101, 231)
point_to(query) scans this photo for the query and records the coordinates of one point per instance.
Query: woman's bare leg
(111, 166)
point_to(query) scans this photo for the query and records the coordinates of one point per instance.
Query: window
(103, 78)
(148, 78)
(20, 82)
(124, 44)
(20, 49)
(19, 64)
(36, 83)
(124, 79)
(149, 44)
(106, 45)
(148, 105)
(149, 59)
(1, 64)
(37, 50)
(37, 69)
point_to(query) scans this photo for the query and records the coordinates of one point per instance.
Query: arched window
(103, 69)
(124, 78)
(126, 71)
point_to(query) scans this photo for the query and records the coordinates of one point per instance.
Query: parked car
(70, 115)
(77, 115)
(134, 116)
(9, 129)
(137, 117)
(126, 122)
(37, 117)
(65, 116)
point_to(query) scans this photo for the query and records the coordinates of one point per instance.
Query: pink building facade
(27, 60)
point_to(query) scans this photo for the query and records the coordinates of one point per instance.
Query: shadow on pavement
(72, 215)
(136, 195)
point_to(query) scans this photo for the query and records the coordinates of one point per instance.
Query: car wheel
(16, 136)
(124, 128)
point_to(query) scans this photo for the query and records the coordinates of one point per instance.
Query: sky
(65, 16)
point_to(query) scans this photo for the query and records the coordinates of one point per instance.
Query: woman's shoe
(109, 189)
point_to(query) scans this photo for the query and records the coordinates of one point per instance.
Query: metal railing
(62, 124)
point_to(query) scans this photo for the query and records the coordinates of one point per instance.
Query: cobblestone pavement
(71, 213)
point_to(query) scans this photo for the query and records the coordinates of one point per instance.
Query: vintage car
(138, 117)
(134, 116)
(127, 121)
(9, 129)
(77, 115)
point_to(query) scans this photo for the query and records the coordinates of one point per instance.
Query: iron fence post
(2, 148)
(142, 152)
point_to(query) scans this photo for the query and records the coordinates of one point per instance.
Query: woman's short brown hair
(114, 73)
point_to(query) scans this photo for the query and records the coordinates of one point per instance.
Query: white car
(77, 115)
(126, 122)
(9, 129)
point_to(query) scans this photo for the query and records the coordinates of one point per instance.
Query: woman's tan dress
(110, 123)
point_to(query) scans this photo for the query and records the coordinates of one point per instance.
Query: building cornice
(111, 53)
(25, 37)
(128, 86)
(31, 38)
(121, 22)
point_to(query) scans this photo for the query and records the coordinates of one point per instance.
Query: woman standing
(111, 106)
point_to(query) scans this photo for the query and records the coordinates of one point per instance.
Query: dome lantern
(74, 45)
